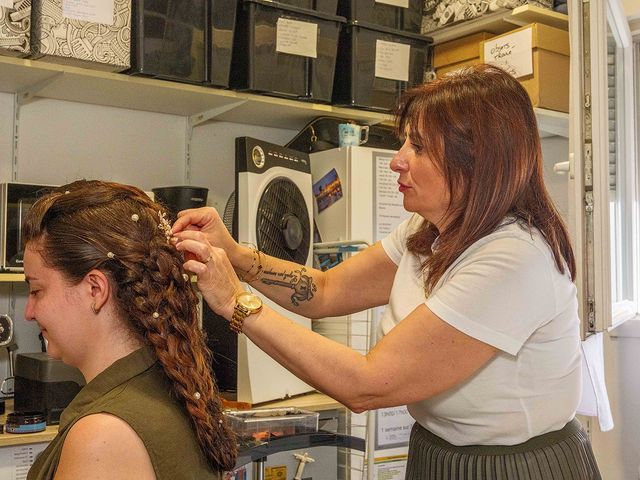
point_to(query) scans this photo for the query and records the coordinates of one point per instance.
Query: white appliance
(364, 207)
(272, 209)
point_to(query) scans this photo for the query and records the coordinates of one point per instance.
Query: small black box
(378, 64)
(45, 384)
(325, 6)
(285, 51)
(405, 15)
(168, 39)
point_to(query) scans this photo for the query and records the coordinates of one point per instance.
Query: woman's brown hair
(77, 227)
(479, 128)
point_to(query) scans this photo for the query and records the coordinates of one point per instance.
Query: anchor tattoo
(301, 283)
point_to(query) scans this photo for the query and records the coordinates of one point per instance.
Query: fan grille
(283, 222)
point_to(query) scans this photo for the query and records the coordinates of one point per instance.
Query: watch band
(239, 314)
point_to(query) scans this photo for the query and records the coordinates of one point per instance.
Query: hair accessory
(111, 254)
(135, 217)
(197, 395)
(66, 192)
(220, 421)
(186, 277)
(164, 225)
(156, 315)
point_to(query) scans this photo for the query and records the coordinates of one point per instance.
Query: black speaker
(180, 198)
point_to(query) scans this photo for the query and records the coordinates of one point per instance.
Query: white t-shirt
(506, 291)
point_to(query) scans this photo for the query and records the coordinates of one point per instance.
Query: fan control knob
(292, 231)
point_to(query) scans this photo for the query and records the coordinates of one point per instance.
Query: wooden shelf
(501, 22)
(36, 78)
(11, 277)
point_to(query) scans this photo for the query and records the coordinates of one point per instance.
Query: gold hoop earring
(94, 309)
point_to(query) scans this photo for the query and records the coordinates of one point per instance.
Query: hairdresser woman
(481, 330)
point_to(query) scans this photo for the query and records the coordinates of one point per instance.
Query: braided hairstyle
(77, 226)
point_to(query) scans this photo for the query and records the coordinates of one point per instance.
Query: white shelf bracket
(198, 119)
(20, 98)
(30, 93)
(202, 117)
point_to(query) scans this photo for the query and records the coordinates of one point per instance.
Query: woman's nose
(28, 311)
(398, 162)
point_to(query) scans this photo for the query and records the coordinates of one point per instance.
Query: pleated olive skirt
(561, 455)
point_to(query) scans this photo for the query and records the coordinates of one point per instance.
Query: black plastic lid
(392, 31)
(26, 418)
(299, 10)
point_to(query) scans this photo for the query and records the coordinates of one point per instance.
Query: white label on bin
(392, 60)
(395, 3)
(6, 3)
(96, 11)
(297, 38)
(512, 52)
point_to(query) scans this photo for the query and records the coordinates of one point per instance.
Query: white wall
(618, 451)
(63, 141)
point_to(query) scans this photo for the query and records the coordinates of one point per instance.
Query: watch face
(250, 301)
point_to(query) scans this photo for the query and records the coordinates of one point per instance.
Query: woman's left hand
(217, 280)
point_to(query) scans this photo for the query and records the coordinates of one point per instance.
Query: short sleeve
(499, 294)
(395, 243)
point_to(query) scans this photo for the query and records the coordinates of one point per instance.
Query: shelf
(552, 123)
(36, 78)
(501, 22)
(11, 277)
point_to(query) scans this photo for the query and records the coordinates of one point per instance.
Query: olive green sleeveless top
(136, 390)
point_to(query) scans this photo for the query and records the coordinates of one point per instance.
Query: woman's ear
(100, 289)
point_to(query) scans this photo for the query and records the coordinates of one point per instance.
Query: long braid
(180, 347)
(115, 228)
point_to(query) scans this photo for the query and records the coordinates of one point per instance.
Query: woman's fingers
(195, 247)
(195, 218)
(217, 281)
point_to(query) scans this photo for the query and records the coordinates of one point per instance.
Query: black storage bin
(325, 6)
(220, 41)
(168, 39)
(408, 19)
(356, 84)
(258, 65)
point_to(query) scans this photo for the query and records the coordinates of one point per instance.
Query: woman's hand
(217, 280)
(208, 221)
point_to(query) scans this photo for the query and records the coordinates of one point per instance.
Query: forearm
(295, 287)
(330, 367)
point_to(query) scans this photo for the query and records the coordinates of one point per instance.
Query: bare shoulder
(103, 446)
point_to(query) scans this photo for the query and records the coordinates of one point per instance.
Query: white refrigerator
(357, 201)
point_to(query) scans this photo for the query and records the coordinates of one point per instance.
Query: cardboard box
(14, 28)
(89, 33)
(458, 53)
(548, 82)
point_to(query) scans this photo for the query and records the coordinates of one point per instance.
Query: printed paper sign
(395, 3)
(6, 3)
(297, 38)
(512, 52)
(392, 60)
(393, 427)
(391, 468)
(388, 201)
(97, 11)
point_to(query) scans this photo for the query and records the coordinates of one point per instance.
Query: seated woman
(110, 295)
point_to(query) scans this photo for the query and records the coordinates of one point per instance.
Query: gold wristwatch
(246, 304)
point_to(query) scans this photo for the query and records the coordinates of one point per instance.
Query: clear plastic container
(265, 424)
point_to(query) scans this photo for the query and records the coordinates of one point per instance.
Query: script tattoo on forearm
(298, 280)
